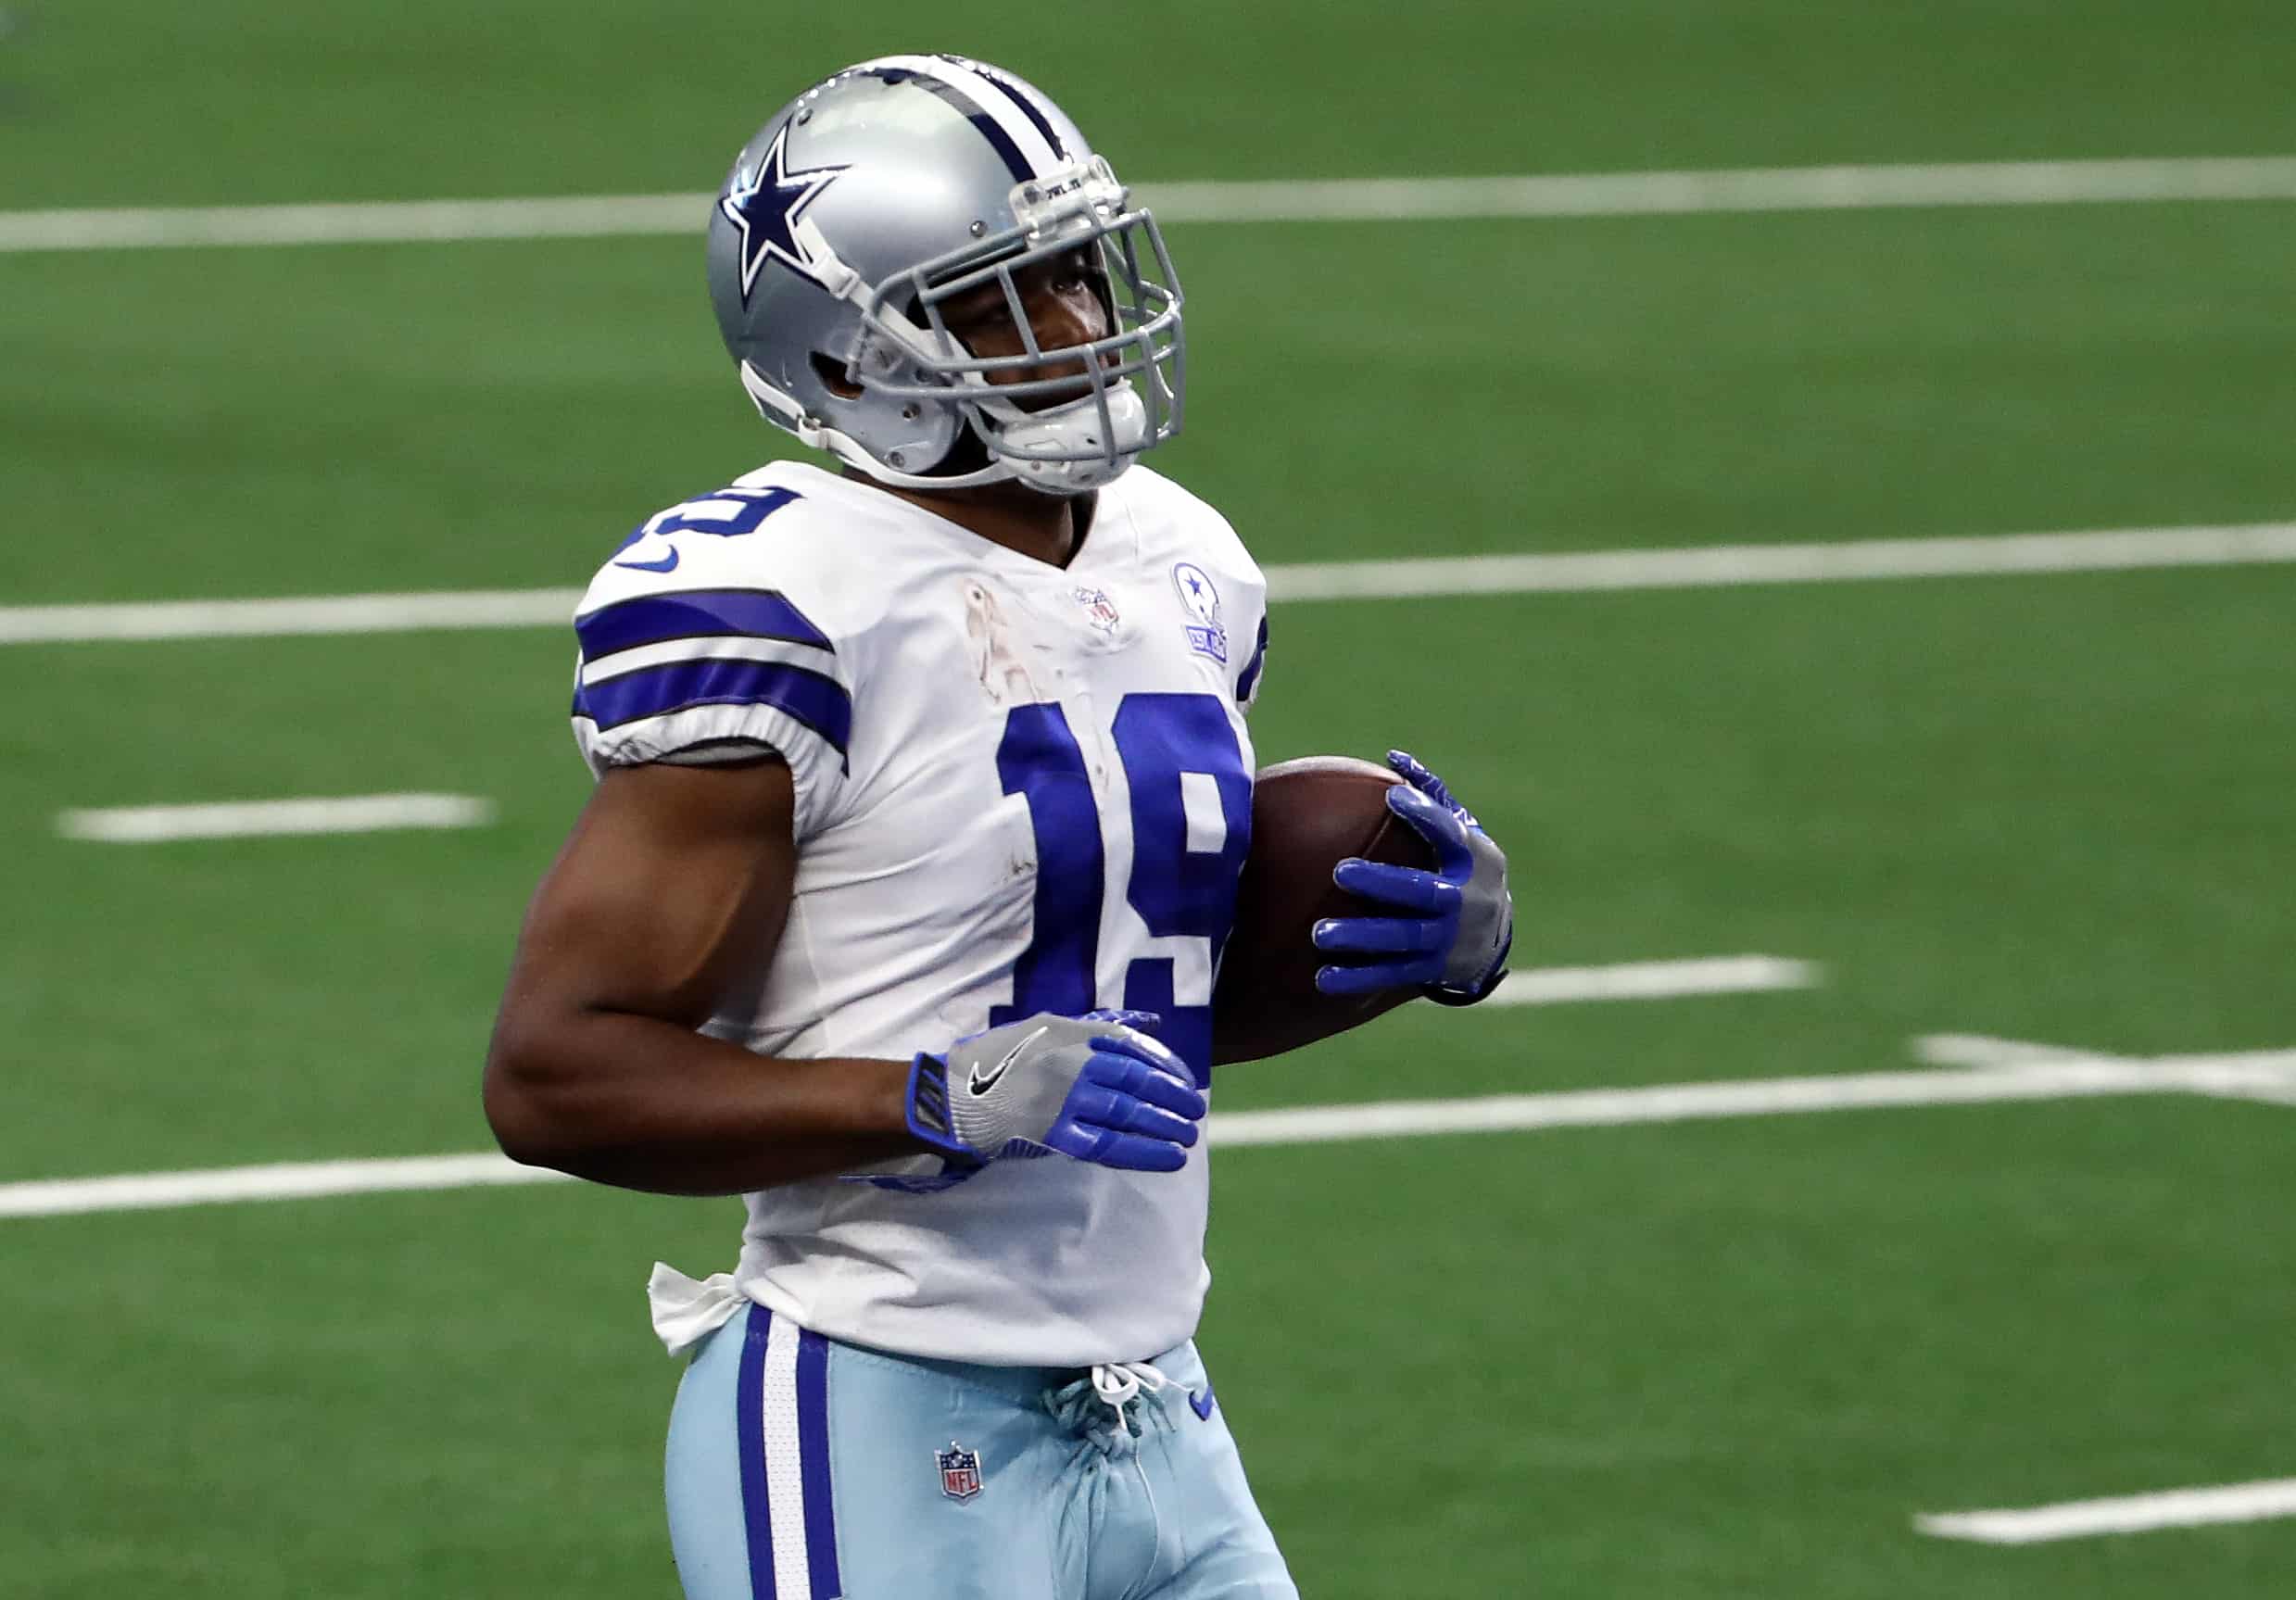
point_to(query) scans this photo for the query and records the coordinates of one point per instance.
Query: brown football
(1307, 817)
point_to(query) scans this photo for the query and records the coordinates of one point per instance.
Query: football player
(922, 788)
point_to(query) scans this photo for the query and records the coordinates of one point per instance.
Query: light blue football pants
(802, 1469)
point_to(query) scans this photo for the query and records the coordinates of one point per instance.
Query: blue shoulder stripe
(818, 701)
(1250, 680)
(696, 614)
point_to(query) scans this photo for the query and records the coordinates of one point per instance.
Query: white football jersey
(1020, 788)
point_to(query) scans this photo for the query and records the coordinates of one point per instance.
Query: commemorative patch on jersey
(1099, 609)
(1206, 634)
(960, 1471)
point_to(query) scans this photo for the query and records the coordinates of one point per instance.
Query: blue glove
(1455, 926)
(1095, 1088)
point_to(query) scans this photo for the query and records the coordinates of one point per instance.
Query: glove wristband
(928, 1110)
(1450, 994)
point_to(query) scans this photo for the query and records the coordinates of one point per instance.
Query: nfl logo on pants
(960, 1471)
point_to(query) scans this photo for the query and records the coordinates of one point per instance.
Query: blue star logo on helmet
(764, 202)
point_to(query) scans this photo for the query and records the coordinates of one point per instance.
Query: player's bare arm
(674, 883)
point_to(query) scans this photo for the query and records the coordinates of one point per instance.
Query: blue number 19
(1183, 879)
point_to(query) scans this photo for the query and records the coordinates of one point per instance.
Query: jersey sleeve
(1248, 680)
(677, 673)
(1239, 624)
(1247, 586)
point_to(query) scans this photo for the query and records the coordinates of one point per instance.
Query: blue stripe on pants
(749, 1436)
(813, 1456)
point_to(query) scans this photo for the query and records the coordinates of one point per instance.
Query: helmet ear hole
(831, 372)
(967, 454)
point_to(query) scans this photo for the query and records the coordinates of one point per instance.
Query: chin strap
(775, 406)
(1038, 448)
(1041, 444)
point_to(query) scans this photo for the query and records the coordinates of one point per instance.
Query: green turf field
(1717, 1358)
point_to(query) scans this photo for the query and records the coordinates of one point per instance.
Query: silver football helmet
(879, 194)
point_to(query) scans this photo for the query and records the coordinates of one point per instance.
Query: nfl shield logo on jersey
(1099, 609)
(960, 1471)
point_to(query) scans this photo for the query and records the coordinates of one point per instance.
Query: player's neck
(1043, 527)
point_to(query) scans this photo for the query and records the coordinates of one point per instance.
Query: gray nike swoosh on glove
(1017, 1077)
(979, 1082)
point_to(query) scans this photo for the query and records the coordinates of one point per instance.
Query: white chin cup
(1073, 430)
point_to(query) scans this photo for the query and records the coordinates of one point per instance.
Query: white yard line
(1731, 190)
(281, 1181)
(1732, 566)
(2124, 1514)
(1656, 980)
(2261, 1074)
(289, 618)
(1712, 1101)
(1237, 1129)
(1675, 194)
(1716, 566)
(257, 819)
(1966, 1050)
(2278, 1089)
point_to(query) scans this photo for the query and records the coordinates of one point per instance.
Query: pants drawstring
(1102, 1408)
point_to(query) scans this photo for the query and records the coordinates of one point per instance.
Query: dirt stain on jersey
(1004, 675)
